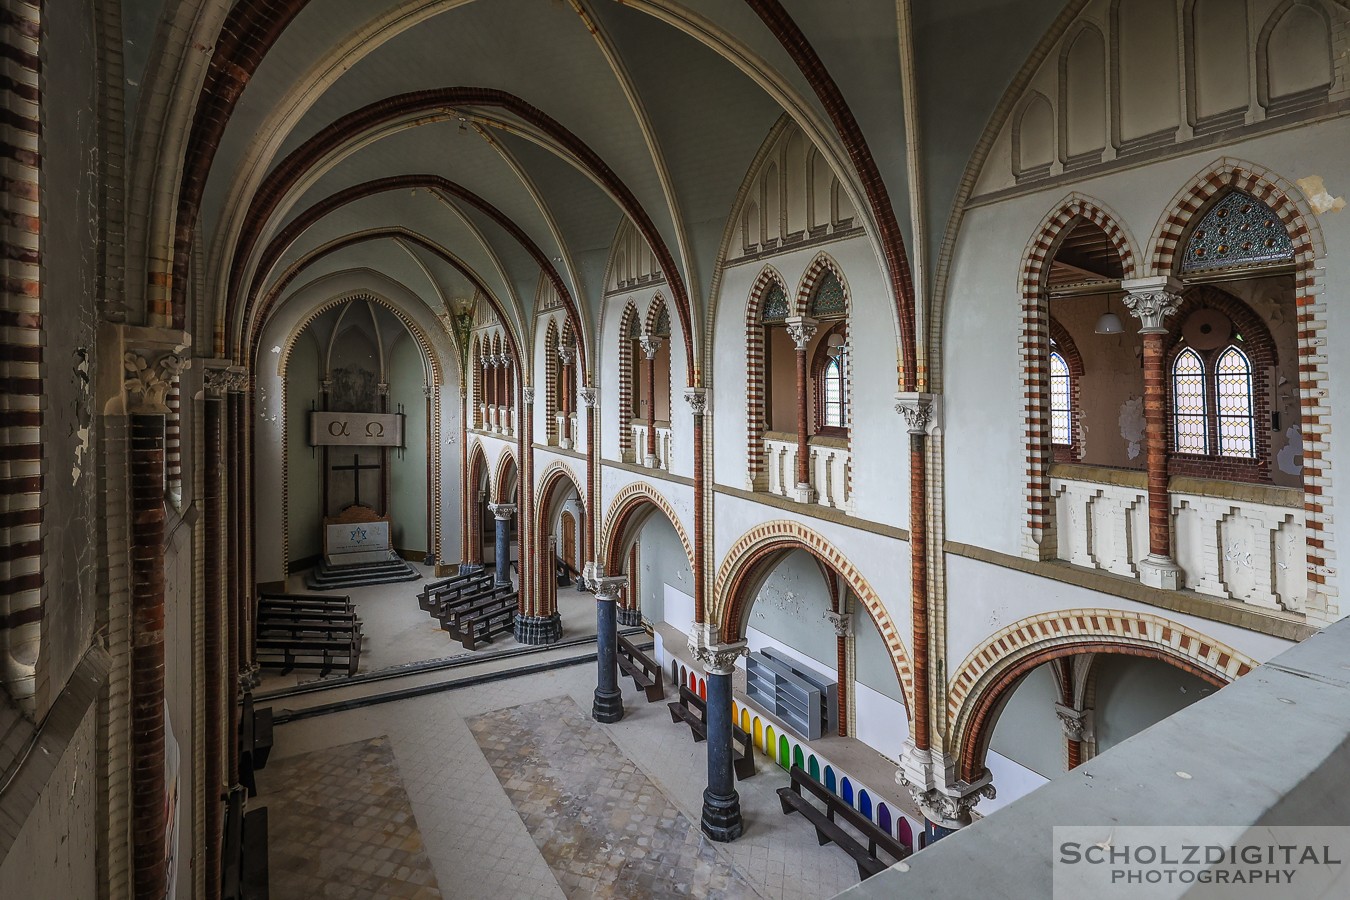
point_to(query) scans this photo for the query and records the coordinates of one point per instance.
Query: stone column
(566, 355)
(430, 558)
(1151, 301)
(630, 615)
(842, 622)
(945, 802)
(697, 398)
(721, 819)
(608, 706)
(147, 383)
(800, 329)
(503, 512)
(651, 345)
(1075, 726)
(213, 637)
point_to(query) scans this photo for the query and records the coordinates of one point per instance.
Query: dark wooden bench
(462, 596)
(471, 605)
(434, 592)
(563, 571)
(255, 742)
(692, 710)
(863, 847)
(644, 670)
(324, 654)
(244, 870)
(310, 627)
(326, 602)
(488, 622)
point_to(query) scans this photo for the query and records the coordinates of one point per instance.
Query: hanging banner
(352, 429)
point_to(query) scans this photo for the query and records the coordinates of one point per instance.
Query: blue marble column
(721, 820)
(608, 706)
(503, 512)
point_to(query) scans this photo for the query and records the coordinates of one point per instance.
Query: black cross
(356, 468)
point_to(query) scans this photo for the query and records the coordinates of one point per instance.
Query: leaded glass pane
(834, 395)
(1239, 231)
(775, 303)
(662, 328)
(1190, 432)
(1233, 380)
(634, 328)
(828, 297)
(1060, 424)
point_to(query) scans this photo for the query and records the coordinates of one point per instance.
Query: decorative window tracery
(1236, 418)
(828, 297)
(1238, 231)
(1189, 415)
(833, 400)
(775, 303)
(1061, 414)
(662, 326)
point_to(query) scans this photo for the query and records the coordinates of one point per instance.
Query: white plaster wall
(679, 496)
(881, 723)
(1012, 781)
(878, 435)
(983, 402)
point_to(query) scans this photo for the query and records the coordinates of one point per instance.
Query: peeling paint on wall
(82, 435)
(1290, 459)
(1319, 198)
(1132, 425)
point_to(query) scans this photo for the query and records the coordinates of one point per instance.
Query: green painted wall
(1134, 693)
(791, 607)
(663, 562)
(872, 659)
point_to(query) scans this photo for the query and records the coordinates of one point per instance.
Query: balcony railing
(828, 468)
(663, 442)
(1235, 541)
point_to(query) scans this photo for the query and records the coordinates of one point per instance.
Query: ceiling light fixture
(1109, 323)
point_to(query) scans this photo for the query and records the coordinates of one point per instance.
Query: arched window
(1190, 420)
(1061, 393)
(832, 388)
(829, 369)
(1233, 399)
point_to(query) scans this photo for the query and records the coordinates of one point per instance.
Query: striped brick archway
(629, 510)
(499, 478)
(1038, 530)
(473, 531)
(543, 600)
(989, 674)
(756, 416)
(755, 555)
(1287, 201)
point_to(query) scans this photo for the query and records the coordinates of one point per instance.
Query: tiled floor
(474, 836)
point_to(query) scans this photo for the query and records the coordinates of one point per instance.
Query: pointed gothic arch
(756, 378)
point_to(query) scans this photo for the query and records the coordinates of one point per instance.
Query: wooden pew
(863, 849)
(692, 710)
(244, 869)
(488, 622)
(644, 670)
(470, 605)
(255, 742)
(430, 595)
(319, 653)
(317, 602)
(460, 596)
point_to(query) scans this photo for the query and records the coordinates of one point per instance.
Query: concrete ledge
(1271, 749)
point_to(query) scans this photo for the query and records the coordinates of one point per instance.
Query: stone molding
(149, 377)
(697, 398)
(800, 329)
(1152, 300)
(922, 412)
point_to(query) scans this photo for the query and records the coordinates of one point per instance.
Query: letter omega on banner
(351, 429)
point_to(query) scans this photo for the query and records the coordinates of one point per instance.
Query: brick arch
(629, 510)
(544, 599)
(755, 376)
(499, 480)
(654, 308)
(755, 553)
(983, 681)
(1038, 529)
(630, 314)
(1068, 348)
(811, 277)
(551, 382)
(1287, 201)
(477, 468)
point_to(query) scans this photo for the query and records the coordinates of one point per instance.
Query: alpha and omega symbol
(373, 429)
(337, 429)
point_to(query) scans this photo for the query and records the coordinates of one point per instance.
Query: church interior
(662, 448)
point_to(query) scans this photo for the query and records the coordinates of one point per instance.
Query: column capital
(426, 391)
(502, 511)
(527, 394)
(567, 353)
(697, 398)
(841, 622)
(382, 389)
(1074, 721)
(215, 382)
(607, 587)
(942, 798)
(588, 395)
(716, 656)
(922, 412)
(148, 378)
(651, 345)
(238, 379)
(1152, 300)
(800, 329)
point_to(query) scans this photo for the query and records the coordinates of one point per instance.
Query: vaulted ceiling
(469, 146)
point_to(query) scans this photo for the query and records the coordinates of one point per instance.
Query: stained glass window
(828, 297)
(662, 327)
(634, 328)
(834, 394)
(1189, 421)
(1238, 231)
(1233, 380)
(775, 303)
(1061, 426)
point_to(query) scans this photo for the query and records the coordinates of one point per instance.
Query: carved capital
(567, 353)
(841, 622)
(651, 345)
(588, 395)
(926, 774)
(426, 391)
(238, 379)
(716, 656)
(147, 381)
(527, 393)
(502, 511)
(326, 385)
(697, 398)
(215, 382)
(607, 587)
(382, 389)
(1074, 721)
(921, 411)
(800, 329)
(1151, 301)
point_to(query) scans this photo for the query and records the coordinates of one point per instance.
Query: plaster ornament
(651, 345)
(527, 393)
(800, 329)
(147, 384)
(697, 398)
(588, 395)
(1152, 308)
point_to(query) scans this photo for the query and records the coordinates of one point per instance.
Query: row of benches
(472, 608)
(308, 631)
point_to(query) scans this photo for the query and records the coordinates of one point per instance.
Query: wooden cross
(356, 468)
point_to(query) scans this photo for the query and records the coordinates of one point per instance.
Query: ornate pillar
(430, 558)
(721, 819)
(651, 345)
(697, 398)
(566, 355)
(1075, 726)
(630, 614)
(842, 622)
(148, 378)
(608, 706)
(1151, 301)
(801, 329)
(502, 512)
(213, 638)
(236, 635)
